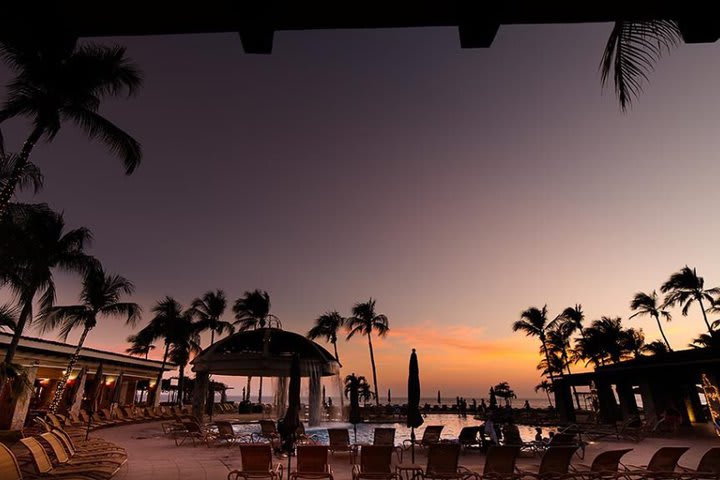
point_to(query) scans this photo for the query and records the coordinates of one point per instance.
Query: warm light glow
(109, 381)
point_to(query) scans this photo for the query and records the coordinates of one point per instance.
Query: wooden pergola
(256, 21)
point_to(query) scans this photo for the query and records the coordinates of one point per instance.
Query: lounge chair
(89, 447)
(375, 463)
(708, 466)
(303, 438)
(339, 442)
(469, 437)
(661, 465)
(386, 437)
(555, 464)
(9, 468)
(443, 463)
(268, 432)
(431, 435)
(312, 462)
(500, 462)
(257, 463)
(44, 468)
(66, 457)
(192, 431)
(605, 466)
(565, 439)
(225, 433)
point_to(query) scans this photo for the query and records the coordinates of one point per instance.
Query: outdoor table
(408, 471)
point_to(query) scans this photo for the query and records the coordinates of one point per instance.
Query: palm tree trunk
(374, 372)
(547, 359)
(212, 337)
(260, 391)
(337, 358)
(247, 394)
(24, 316)
(158, 383)
(662, 332)
(9, 188)
(710, 330)
(60, 389)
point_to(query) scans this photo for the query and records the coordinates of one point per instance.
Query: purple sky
(458, 187)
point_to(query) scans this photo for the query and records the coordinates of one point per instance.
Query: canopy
(265, 352)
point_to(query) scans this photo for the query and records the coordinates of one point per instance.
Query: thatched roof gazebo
(265, 352)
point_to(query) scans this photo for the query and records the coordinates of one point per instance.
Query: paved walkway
(151, 456)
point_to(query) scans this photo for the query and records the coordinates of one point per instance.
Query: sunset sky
(457, 187)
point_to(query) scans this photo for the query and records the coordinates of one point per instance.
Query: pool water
(452, 423)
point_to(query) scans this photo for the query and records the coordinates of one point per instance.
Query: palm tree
(209, 309)
(633, 341)
(327, 325)
(30, 176)
(365, 321)
(8, 317)
(684, 288)
(360, 385)
(706, 340)
(604, 341)
(252, 310)
(572, 319)
(656, 347)
(52, 87)
(185, 342)
(100, 297)
(503, 390)
(33, 244)
(168, 313)
(648, 304)
(558, 343)
(547, 387)
(631, 52)
(533, 322)
(589, 348)
(141, 343)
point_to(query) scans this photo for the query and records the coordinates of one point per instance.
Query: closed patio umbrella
(117, 391)
(75, 389)
(439, 399)
(94, 397)
(414, 418)
(389, 396)
(291, 421)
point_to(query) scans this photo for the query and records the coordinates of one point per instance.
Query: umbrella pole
(412, 443)
(87, 432)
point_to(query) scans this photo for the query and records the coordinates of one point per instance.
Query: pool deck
(152, 456)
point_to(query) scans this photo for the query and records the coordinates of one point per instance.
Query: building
(45, 362)
(685, 380)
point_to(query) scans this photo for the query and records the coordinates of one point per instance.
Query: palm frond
(631, 52)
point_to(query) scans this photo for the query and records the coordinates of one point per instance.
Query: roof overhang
(256, 21)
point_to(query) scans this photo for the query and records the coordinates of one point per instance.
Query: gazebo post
(315, 397)
(200, 393)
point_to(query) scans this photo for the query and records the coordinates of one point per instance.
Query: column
(606, 400)
(563, 399)
(628, 405)
(22, 402)
(200, 393)
(315, 399)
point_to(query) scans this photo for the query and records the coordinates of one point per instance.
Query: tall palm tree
(100, 297)
(358, 384)
(572, 319)
(534, 323)
(141, 343)
(558, 342)
(52, 86)
(167, 314)
(604, 341)
(252, 310)
(590, 348)
(684, 288)
(648, 304)
(365, 321)
(209, 310)
(631, 52)
(327, 326)
(185, 342)
(32, 246)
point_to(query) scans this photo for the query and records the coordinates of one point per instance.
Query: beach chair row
(119, 416)
(377, 462)
(58, 454)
